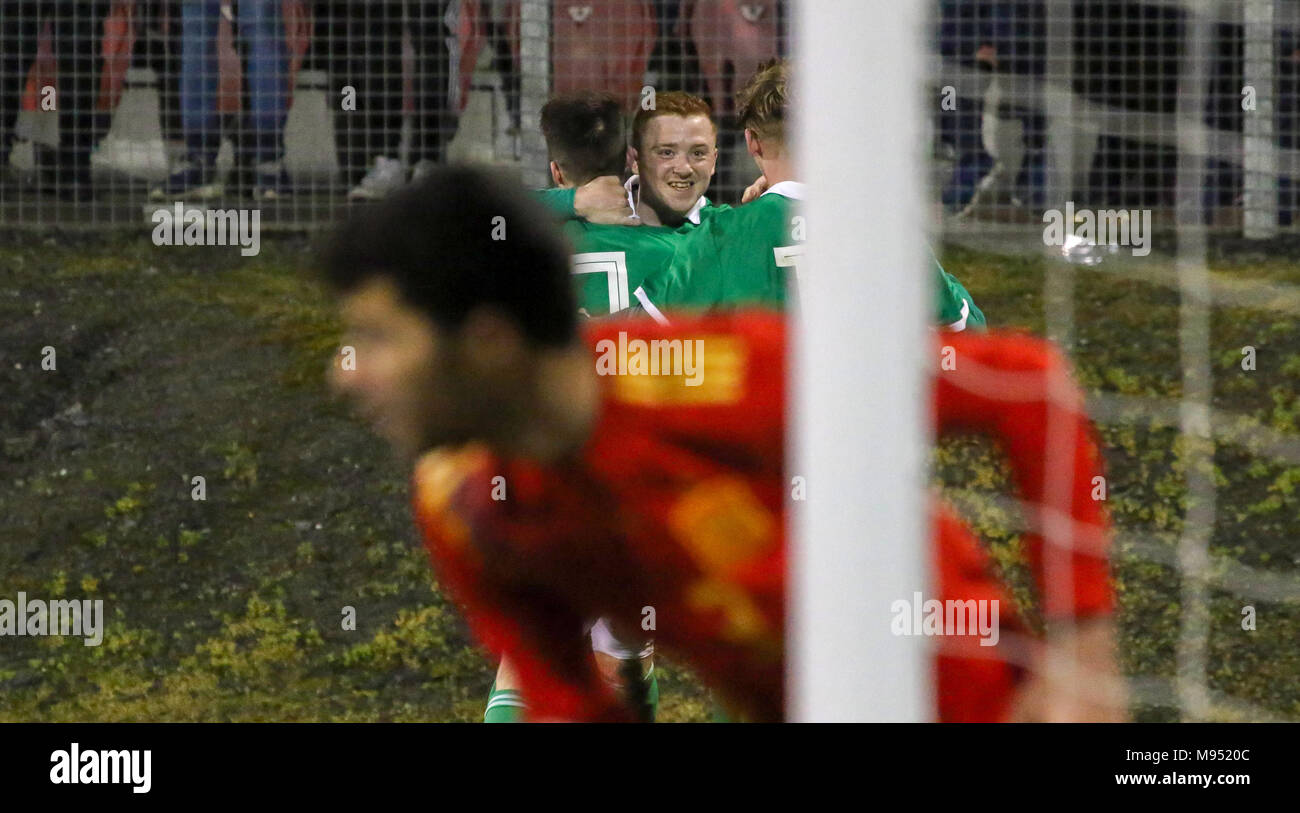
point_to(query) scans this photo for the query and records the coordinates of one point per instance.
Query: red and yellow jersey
(670, 522)
(1018, 391)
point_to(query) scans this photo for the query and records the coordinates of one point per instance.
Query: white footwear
(421, 169)
(385, 176)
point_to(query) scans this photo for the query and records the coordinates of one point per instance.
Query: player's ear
(752, 143)
(557, 174)
(631, 160)
(491, 342)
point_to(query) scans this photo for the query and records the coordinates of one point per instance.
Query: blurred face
(399, 382)
(676, 161)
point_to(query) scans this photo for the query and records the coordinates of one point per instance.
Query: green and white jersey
(749, 257)
(957, 309)
(613, 265)
(741, 257)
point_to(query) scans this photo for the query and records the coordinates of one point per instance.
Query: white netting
(1180, 116)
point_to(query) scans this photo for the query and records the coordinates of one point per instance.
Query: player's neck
(654, 213)
(660, 216)
(777, 171)
(648, 215)
(561, 411)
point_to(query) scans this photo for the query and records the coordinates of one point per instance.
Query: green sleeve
(558, 202)
(954, 304)
(975, 319)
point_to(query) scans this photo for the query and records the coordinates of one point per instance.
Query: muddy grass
(1127, 344)
(173, 364)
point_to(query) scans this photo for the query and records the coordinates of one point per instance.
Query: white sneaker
(385, 176)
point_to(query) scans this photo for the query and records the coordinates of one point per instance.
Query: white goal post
(858, 417)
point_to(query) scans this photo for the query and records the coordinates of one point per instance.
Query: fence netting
(108, 109)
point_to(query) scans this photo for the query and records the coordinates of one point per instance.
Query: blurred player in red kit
(632, 471)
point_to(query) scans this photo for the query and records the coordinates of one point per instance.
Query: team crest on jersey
(579, 14)
(752, 12)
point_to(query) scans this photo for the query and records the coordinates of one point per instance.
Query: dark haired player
(611, 264)
(629, 496)
(622, 491)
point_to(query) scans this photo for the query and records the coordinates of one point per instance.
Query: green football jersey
(614, 265)
(739, 257)
(957, 309)
(744, 257)
(557, 200)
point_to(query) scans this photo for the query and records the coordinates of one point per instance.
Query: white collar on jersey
(693, 215)
(788, 189)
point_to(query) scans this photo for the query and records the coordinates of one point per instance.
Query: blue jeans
(260, 40)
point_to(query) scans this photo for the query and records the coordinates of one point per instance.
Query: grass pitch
(175, 364)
